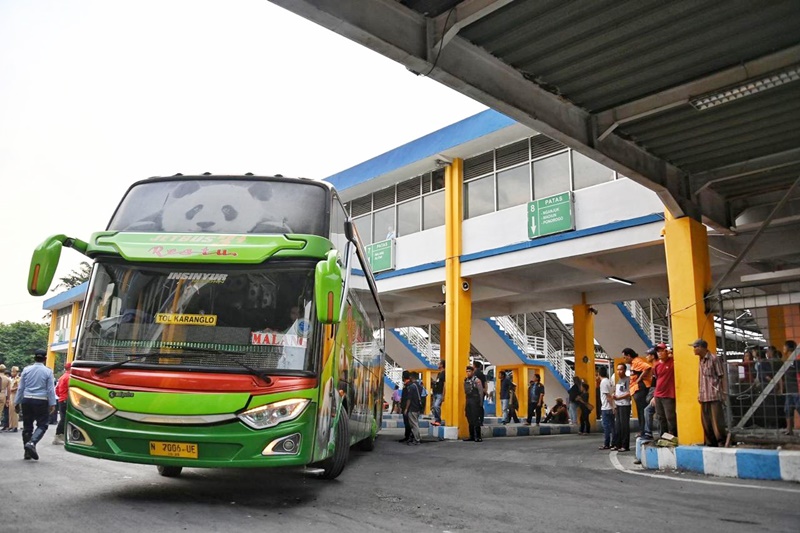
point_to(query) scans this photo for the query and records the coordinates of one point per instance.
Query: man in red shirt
(664, 372)
(62, 388)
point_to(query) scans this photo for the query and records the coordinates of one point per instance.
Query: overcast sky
(95, 95)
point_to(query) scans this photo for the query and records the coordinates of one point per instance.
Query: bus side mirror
(43, 265)
(328, 289)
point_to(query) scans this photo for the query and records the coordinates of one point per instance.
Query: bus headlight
(89, 404)
(267, 416)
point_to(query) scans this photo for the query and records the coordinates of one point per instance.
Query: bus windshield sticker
(262, 338)
(209, 277)
(193, 320)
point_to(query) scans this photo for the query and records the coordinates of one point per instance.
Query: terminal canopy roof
(697, 100)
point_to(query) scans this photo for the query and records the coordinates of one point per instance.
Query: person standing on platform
(535, 399)
(505, 393)
(573, 394)
(711, 376)
(473, 392)
(438, 396)
(607, 407)
(665, 391)
(622, 418)
(789, 387)
(37, 395)
(640, 381)
(482, 377)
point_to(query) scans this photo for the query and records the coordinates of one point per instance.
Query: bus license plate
(173, 449)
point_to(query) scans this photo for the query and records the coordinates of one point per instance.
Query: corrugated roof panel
(695, 140)
(582, 50)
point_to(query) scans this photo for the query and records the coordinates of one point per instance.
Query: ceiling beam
(609, 120)
(448, 24)
(744, 169)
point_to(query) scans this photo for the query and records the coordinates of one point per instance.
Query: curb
(739, 463)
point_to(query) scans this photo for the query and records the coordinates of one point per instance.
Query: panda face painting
(216, 208)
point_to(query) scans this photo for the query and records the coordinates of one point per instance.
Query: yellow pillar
(583, 324)
(689, 273)
(51, 356)
(777, 326)
(73, 327)
(458, 302)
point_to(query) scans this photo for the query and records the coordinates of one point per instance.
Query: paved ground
(554, 483)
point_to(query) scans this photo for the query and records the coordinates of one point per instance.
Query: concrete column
(51, 334)
(689, 273)
(777, 326)
(73, 328)
(458, 302)
(583, 324)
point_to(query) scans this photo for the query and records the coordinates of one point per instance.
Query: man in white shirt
(607, 408)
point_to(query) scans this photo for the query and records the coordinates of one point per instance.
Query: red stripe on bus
(140, 380)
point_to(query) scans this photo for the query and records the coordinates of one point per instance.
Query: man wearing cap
(664, 373)
(712, 393)
(473, 392)
(37, 396)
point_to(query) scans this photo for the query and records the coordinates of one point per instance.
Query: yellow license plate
(173, 449)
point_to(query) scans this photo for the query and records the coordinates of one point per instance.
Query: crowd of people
(35, 397)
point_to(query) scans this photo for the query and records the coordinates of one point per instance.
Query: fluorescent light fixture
(620, 280)
(746, 89)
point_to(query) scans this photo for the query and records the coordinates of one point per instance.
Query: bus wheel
(333, 466)
(169, 471)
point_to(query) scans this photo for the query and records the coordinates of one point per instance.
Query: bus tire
(169, 471)
(333, 465)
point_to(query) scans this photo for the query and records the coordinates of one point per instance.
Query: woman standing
(13, 417)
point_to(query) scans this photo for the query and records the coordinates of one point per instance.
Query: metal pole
(727, 401)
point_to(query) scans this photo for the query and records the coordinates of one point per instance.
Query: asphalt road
(554, 483)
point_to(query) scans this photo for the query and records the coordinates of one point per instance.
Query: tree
(76, 277)
(19, 340)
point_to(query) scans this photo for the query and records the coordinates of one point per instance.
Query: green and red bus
(221, 328)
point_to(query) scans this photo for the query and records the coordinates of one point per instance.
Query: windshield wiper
(105, 368)
(258, 373)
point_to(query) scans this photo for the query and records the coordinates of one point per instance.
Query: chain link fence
(759, 327)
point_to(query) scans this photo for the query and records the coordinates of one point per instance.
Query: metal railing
(393, 371)
(421, 343)
(535, 348)
(656, 332)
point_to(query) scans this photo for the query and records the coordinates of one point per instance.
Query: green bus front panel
(229, 444)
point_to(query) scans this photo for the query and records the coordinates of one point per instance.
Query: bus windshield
(220, 317)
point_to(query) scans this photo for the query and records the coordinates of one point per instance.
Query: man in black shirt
(478, 372)
(412, 407)
(438, 396)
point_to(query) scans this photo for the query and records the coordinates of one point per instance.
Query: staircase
(420, 341)
(535, 348)
(655, 333)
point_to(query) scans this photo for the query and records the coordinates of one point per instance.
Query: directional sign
(381, 255)
(553, 214)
